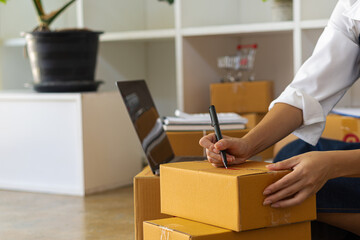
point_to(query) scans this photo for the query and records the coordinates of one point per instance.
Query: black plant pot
(63, 61)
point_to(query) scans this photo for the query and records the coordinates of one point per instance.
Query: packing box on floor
(146, 200)
(342, 128)
(229, 198)
(242, 97)
(181, 229)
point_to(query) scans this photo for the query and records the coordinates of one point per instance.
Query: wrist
(344, 163)
(253, 144)
(335, 164)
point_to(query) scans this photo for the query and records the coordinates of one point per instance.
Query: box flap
(187, 227)
(146, 172)
(248, 168)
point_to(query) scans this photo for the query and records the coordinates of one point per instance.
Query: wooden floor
(105, 216)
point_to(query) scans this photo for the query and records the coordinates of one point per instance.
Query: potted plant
(61, 60)
(282, 10)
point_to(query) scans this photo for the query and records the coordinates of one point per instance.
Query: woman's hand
(237, 149)
(310, 172)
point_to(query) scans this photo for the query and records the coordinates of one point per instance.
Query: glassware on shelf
(246, 56)
(239, 67)
(231, 65)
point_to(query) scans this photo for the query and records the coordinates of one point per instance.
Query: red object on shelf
(241, 46)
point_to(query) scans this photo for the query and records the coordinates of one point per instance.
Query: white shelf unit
(175, 47)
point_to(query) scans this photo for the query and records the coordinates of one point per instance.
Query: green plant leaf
(55, 14)
(39, 8)
(169, 1)
(47, 19)
(3, 1)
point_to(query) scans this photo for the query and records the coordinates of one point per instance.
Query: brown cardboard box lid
(182, 229)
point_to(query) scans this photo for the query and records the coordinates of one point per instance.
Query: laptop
(148, 125)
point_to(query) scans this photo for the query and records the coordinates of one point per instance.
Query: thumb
(284, 165)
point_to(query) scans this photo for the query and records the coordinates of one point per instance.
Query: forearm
(279, 122)
(344, 163)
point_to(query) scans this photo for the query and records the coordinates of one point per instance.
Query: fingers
(284, 182)
(208, 141)
(216, 159)
(284, 165)
(228, 144)
(224, 143)
(297, 199)
(283, 193)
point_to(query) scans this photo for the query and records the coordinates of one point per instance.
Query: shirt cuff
(313, 114)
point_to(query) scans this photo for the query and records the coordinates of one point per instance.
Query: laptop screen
(146, 121)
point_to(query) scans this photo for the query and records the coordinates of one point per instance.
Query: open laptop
(148, 125)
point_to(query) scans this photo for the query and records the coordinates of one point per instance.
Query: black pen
(216, 125)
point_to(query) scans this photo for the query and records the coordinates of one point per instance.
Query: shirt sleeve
(325, 77)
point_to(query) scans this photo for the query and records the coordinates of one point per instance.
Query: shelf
(14, 42)
(113, 36)
(238, 29)
(138, 35)
(196, 31)
(313, 24)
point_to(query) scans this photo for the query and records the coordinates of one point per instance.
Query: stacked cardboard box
(338, 127)
(231, 200)
(242, 97)
(182, 229)
(147, 185)
(342, 128)
(224, 204)
(250, 99)
(146, 200)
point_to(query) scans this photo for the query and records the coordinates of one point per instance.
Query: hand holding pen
(215, 123)
(234, 149)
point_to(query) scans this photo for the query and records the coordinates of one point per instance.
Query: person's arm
(325, 77)
(279, 122)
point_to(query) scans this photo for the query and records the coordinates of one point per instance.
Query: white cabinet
(174, 47)
(66, 143)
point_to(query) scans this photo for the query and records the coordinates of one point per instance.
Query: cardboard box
(242, 97)
(186, 143)
(342, 128)
(146, 200)
(337, 127)
(181, 229)
(229, 198)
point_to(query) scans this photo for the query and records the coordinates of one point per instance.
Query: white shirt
(324, 78)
